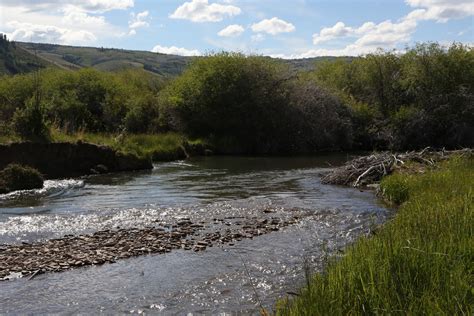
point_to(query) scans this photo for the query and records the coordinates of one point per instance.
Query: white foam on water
(50, 188)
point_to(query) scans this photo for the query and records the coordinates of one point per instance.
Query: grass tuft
(421, 262)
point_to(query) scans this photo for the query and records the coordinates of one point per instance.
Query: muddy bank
(108, 246)
(60, 160)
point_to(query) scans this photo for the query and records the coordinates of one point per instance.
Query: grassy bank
(167, 144)
(160, 147)
(421, 262)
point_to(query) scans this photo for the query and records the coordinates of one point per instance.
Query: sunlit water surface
(228, 279)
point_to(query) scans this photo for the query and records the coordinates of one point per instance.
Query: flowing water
(236, 278)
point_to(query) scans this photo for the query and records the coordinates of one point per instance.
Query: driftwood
(370, 169)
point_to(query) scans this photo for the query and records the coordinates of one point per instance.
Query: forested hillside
(15, 59)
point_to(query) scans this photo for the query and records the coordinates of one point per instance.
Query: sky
(278, 28)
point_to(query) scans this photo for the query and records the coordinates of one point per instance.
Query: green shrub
(424, 97)
(16, 177)
(396, 188)
(29, 123)
(254, 105)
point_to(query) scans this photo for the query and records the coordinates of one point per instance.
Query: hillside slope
(27, 55)
(14, 59)
(71, 57)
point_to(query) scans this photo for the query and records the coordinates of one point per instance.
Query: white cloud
(73, 17)
(48, 34)
(173, 50)
(442, 10)
(138, 21)
(385, 34)
(63, 22)
(389, 35)
(273, 26)
(329, 33)
(202, 11)
(233, 30)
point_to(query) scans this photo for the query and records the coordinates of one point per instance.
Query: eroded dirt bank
(60, 160)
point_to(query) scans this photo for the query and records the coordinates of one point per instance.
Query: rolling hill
(29, 56)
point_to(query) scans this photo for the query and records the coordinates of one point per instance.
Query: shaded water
(230, 279)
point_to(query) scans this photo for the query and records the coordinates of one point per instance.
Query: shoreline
(405, 264)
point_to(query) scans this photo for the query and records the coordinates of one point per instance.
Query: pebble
(107, 246)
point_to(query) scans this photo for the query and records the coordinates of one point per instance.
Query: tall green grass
(420, 262)
(159, 147)
(164, 146)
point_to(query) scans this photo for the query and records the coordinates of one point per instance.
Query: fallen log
(366, 170)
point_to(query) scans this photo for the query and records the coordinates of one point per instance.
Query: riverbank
(72, 155)
(62, 160)
(421, 262)
(158, 147)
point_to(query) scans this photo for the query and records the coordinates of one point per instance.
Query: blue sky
(289, 29)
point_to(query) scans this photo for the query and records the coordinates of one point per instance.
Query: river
(235, 278)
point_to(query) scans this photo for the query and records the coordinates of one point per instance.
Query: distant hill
(14, 59)
(107, 59)
(24, 57)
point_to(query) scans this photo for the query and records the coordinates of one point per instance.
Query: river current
(236, 278)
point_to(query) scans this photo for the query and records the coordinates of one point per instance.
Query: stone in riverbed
(17, 177)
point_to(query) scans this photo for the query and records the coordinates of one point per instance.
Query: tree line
(254, 104)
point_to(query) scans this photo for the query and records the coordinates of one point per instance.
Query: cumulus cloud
(389, 35)
(62, 22)
(386, 34)
(138, 21)
(233, 30)
(273, 26)
(441, 10)
(202, 11)
(73, 17)
(48, 34)
(329, 33)
(173, 50)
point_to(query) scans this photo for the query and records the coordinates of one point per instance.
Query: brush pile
(368, 170)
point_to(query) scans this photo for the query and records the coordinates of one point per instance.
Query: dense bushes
(254, 105)
(86, 100)
(420, 98)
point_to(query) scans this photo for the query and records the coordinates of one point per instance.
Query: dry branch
(370, 169)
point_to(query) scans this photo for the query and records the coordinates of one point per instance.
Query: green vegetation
(15, 177)
(253, 104)
(110, 59)
(14, 59)
(424, 97)
(87, 100)
(160, 147)
(421, 262)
